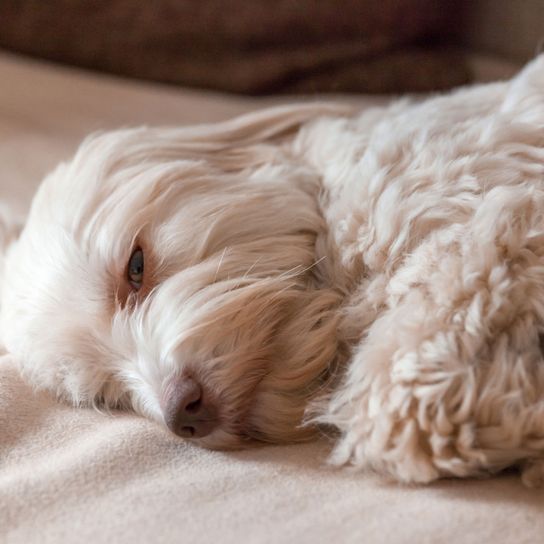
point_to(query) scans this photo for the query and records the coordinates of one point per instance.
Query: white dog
(379, 272)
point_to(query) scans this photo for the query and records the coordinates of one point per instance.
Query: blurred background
(260, 47)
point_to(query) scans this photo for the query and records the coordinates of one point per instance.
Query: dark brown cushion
(248, 46)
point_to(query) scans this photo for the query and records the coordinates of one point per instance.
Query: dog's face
(184, 289)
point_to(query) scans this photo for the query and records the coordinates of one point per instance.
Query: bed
(69, 475)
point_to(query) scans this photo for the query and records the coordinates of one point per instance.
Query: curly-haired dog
(378, 272)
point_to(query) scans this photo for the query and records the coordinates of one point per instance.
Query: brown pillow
(247, 46)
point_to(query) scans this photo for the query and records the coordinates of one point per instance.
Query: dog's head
(174, 272)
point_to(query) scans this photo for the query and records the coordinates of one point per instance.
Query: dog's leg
(450, 379)
(406, 406)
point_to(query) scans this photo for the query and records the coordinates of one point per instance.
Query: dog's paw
(532, 473)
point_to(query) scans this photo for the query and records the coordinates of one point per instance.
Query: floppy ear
(11, 225)
(259, 126)
(245, 141)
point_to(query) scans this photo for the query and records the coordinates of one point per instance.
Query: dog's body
(381, 273)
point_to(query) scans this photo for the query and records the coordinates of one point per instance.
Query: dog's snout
(188, 412)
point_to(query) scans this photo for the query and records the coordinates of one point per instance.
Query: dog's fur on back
(379, 272)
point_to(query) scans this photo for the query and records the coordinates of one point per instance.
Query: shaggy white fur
(381, 272)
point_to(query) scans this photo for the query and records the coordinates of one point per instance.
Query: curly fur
(381, 272)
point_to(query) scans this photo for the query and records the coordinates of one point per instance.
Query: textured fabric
(247, 47)
(72, 476)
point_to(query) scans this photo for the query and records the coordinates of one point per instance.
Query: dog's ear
(242, 142)
(11, 224)
(255, 127)
(251, 139)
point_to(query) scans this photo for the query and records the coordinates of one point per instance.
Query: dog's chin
(236, 438)
(224, 439)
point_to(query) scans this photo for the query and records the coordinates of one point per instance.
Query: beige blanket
(75, 476)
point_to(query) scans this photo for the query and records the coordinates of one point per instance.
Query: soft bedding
(71, 475)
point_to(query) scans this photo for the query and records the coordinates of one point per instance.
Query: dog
(378, 274)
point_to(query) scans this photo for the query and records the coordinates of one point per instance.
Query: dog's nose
(188, 413)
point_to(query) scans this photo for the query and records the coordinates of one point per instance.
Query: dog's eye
(135, 269)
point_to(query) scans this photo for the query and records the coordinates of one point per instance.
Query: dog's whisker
(220, 263)
(252, 266)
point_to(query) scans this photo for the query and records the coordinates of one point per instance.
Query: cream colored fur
(381, 272)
